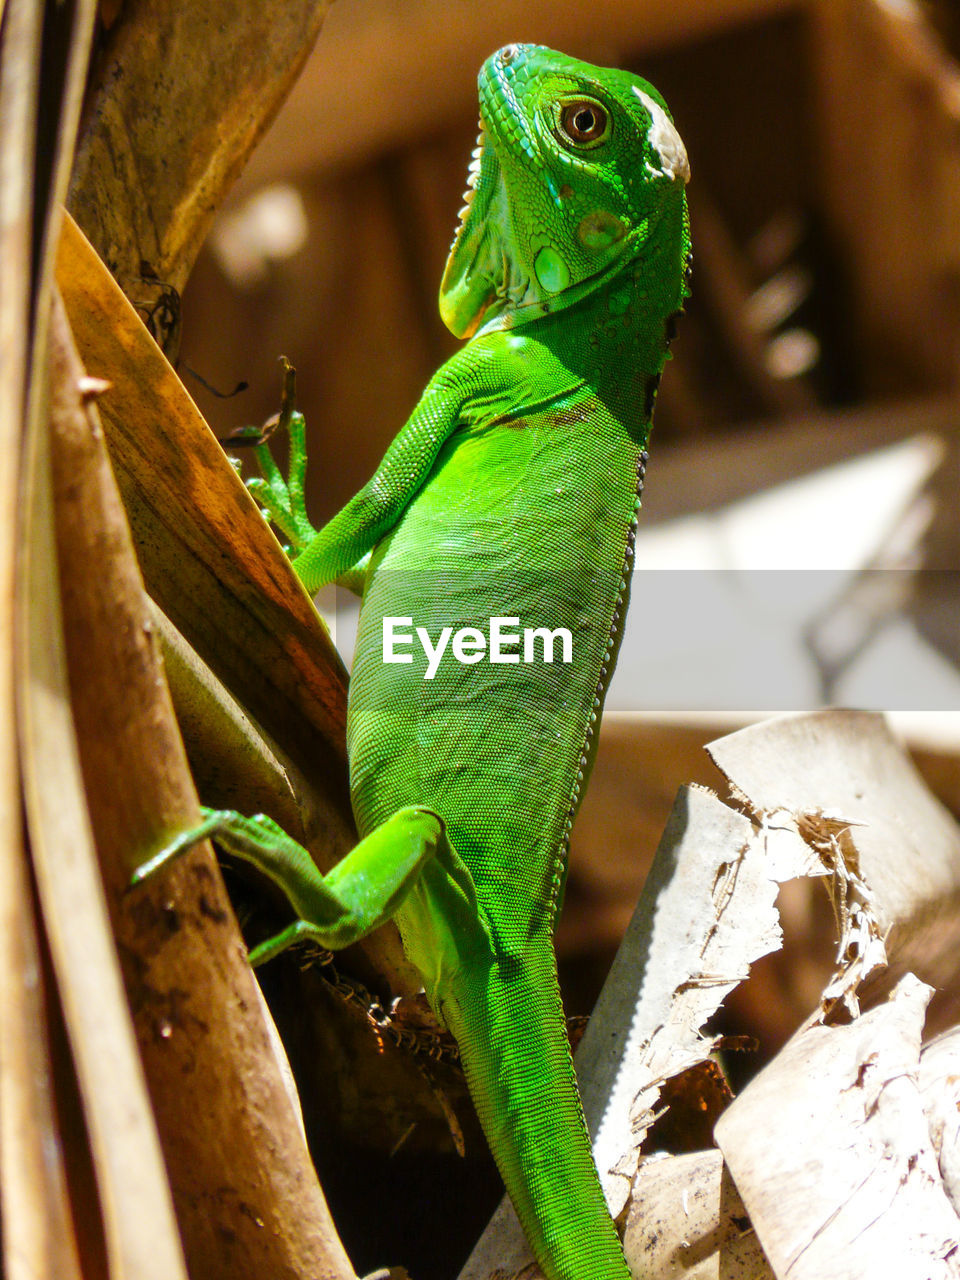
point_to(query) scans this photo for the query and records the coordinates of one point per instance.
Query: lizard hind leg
(359, 894)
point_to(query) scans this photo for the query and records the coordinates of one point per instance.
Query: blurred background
(800, 540)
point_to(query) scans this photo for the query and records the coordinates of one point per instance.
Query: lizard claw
(281, 499)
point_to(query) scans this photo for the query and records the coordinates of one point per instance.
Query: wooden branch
(221, 1105)
(139, 1228)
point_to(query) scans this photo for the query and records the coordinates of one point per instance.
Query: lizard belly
(528, 520)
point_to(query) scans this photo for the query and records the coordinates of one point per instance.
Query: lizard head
(576, 170)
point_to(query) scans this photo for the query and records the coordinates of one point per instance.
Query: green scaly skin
(513, 490)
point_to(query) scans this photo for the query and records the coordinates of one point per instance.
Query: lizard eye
(584, 123)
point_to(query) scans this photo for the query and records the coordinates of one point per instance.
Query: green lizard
(509, 500)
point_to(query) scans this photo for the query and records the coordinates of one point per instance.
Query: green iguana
(494, 547)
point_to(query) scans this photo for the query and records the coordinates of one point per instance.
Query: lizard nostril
(508, 53)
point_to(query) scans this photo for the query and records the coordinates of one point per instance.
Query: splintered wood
(842, 1157)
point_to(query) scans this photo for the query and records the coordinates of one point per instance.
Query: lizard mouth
(474, 270)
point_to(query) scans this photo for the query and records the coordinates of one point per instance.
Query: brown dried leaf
(182, 94)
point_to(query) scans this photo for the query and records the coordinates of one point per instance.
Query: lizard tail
(516, 1056)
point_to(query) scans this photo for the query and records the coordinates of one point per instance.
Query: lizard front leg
(340, 551)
